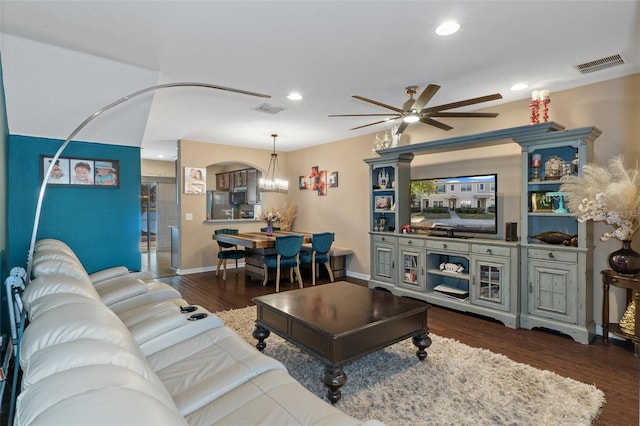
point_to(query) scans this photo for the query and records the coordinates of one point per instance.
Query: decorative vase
(625, 261)
(269, 230)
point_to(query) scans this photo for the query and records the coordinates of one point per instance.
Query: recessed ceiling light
(160, 156)
(294, 96)
(519, 86)
(447, 28)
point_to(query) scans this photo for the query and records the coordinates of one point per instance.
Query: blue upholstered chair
(320, 246)
(227, 251)
(287, 256)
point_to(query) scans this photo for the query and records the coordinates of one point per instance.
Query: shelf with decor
(556, 249)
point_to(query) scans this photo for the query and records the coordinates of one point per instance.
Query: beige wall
(158, 168)
(612, 106)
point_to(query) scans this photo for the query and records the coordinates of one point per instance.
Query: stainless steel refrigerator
(219, 205)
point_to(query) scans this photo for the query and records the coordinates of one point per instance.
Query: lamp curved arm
(89, 119)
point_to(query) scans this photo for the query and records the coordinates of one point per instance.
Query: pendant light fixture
(272, 182)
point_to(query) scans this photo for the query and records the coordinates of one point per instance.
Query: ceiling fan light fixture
(411, 118)
(271, 182)
(447, 28)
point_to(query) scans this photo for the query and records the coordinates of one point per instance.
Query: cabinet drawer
(413, 242)
(389, 239)
(557, 255)
(448, 245)
(490, 250)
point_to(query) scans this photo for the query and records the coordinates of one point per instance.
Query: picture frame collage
(85, 172)
(318, 180)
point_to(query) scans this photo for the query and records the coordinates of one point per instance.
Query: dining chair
(287, 256)
(227, 251)
(320, 246)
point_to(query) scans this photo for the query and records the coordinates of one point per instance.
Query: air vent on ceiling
(600, 64)
(268, 109)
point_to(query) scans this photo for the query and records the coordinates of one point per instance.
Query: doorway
(158, 212)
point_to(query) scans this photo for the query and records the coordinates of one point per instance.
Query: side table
(632, 284)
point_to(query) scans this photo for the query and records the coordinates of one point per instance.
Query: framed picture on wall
(333, 180)
(81, 171)
(195, 180)
(107, 173)
(59, 173)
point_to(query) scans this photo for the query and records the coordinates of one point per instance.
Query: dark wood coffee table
(340, 322)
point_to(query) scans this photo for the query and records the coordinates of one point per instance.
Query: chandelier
(271, 182)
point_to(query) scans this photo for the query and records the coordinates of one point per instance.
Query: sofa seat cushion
(271, 398)
(205, 367)
(96, 395)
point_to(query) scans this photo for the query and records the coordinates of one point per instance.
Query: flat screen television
(449, 205)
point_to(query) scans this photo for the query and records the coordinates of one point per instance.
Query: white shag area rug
(455, 385)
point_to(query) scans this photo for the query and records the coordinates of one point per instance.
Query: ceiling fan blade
(431, 122)
(372, 124)
(401, 128)
(425, 96)
(464, 114)
(466, 102)
(371, 101)
(366, 115)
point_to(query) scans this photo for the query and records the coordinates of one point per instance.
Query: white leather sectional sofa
(116, 348)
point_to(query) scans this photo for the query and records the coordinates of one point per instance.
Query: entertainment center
(526, 283)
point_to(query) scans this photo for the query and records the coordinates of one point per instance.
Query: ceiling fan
(414, 110)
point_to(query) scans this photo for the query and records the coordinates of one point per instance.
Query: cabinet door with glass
(412, 266)
(489, 282)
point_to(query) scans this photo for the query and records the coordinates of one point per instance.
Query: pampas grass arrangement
(287, 215)
(610, 194)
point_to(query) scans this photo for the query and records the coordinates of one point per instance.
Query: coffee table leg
(334, 378)
(260, 333)
(422, 341)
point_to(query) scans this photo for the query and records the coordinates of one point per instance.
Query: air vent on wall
(600, 64)
(268, 109)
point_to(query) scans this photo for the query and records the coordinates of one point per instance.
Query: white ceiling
(328, 51)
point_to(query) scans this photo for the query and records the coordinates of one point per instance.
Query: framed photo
(383, 202)
(333, 180)
(303, 183)
(540, 203)
(59, 174)
(107, 173)
(195, 180)
(81, 172)
(321, 183)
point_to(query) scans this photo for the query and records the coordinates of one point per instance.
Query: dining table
(257, 245)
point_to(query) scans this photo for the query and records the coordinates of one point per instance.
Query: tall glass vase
(625, 261)
(269, 230)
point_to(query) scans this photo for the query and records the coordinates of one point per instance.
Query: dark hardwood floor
(612, 368)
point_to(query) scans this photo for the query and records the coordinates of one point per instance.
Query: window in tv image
(464, 203)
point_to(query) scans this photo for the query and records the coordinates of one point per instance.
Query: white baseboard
(358, 275)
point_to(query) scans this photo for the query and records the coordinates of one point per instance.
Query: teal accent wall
(4, 266)
(101, 224)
